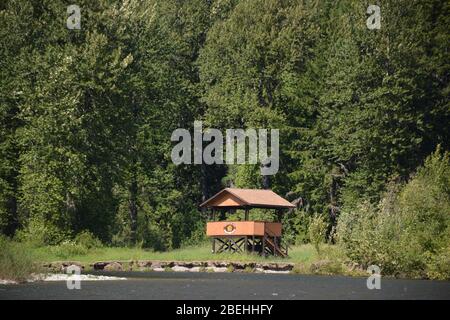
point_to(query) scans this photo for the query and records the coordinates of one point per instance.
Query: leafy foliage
(317, 230)
(409, 231)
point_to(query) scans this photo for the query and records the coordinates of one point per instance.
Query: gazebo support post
(263, 252)
(246, 214)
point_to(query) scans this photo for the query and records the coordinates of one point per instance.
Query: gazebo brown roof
(246, 198)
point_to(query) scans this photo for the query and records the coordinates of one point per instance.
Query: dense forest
(86, 114)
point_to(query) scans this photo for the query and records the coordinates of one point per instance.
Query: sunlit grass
(19, 260)
(201, 252)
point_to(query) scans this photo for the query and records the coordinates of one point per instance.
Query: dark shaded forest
(86, 115)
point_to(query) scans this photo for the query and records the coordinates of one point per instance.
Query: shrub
(168, 269)
(68, 249)
(439, 265)
(40, 233)
(300, 268)
(357, 235)
(408, 233)
(16, 262)
(326, 267)
(88, 240)
(317, 230)
(249, 269)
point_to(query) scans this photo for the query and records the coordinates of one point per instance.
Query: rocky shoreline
(174, 266)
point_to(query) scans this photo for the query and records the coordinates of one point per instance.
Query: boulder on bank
(113, 266)
(179, 266)
(180, 269)
(218, 264)
(142, 263)
(58, 266)
(108, 266)
(275, 266)
(240, 266)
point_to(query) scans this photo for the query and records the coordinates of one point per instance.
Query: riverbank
(302, 259)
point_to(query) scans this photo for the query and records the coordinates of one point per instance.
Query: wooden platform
(246, 236)
(243, 228)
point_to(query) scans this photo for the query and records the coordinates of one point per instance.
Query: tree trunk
(265, 181)
(204, 182)
(133, 210)
(133, 187)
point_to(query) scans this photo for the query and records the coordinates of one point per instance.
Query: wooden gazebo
(245, 236)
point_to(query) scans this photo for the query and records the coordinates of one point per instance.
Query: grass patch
(201, 252)
(16, 261)
(230, 268)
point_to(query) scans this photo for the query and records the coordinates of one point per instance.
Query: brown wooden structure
(262, 237)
